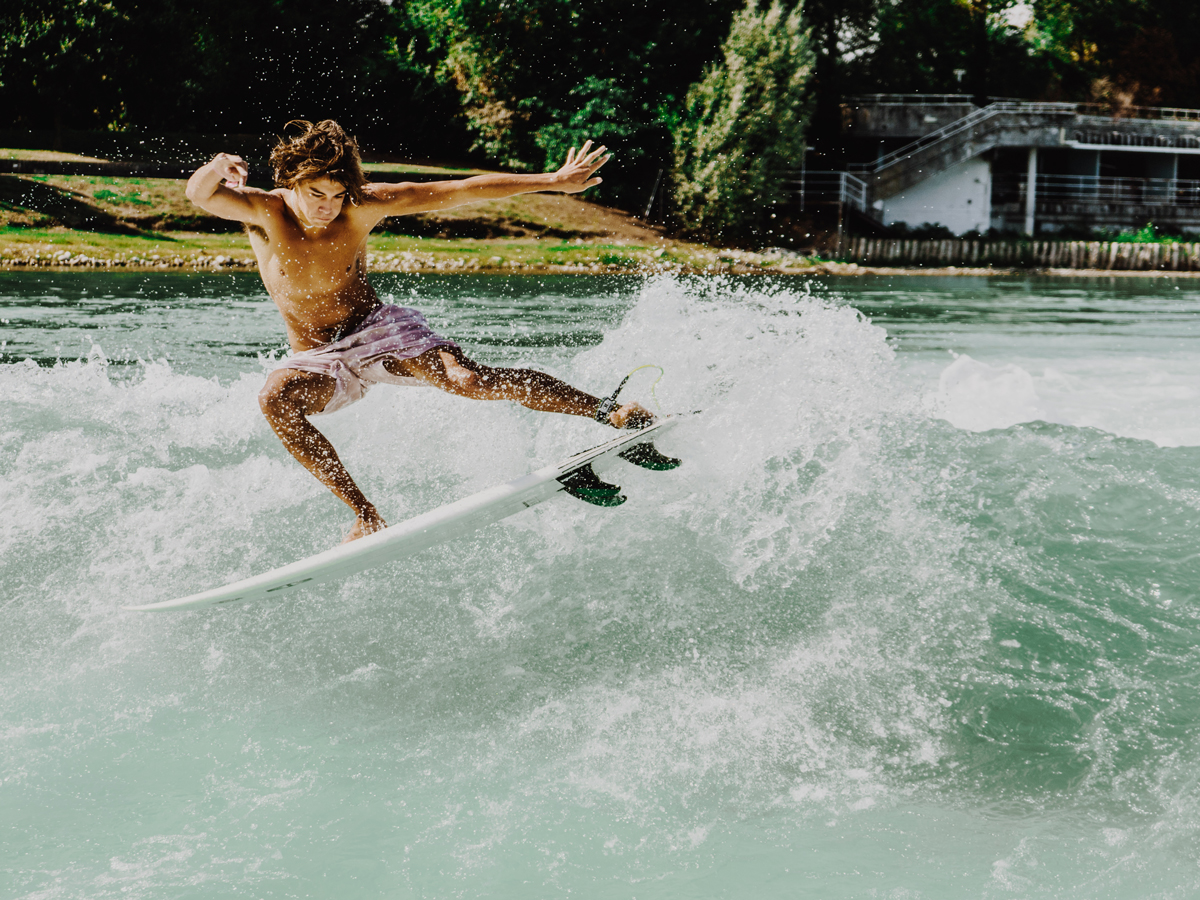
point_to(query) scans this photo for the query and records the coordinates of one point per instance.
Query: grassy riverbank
(98, 221)
(66, 248)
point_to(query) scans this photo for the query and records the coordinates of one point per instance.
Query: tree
(537, 76)
(743, 124)
(58, 66)
(843, 33)
(1126, 51)
(191, 65)
(358, 61)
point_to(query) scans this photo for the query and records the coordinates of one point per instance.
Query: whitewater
(918, 617)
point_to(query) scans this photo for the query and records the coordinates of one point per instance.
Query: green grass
(619, 259)
(129, 220)
(113, 246)
(45, 155)
(389, 251)
(134, 198)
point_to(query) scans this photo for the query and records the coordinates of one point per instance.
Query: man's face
(320, 200)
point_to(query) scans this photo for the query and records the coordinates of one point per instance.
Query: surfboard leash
(609, 403)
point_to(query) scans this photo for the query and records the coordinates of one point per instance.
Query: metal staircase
(962, 139)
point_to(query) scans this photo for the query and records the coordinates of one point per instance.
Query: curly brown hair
(323, 150)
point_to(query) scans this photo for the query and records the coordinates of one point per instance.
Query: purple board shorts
(355, 361)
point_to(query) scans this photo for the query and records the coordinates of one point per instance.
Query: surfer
(309, 235)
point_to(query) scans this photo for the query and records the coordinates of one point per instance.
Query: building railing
(970, 120)
(828, 187)
(979, 116)
(1109, 138)
(1138, 112)
(1097, 189)
(1084, 109)
(910, 99)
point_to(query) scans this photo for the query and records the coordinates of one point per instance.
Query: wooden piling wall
(1022, 254)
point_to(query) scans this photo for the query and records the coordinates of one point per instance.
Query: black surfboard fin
(584, 484)
(647, 456)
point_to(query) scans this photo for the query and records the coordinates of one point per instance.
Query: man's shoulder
(263, 199)
(381, 199)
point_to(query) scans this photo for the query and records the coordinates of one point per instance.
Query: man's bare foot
(367, 523)
(631, 415)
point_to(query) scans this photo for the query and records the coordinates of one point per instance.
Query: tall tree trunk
(826, 125)
(980, 74)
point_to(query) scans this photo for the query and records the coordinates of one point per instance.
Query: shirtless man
(310, 238)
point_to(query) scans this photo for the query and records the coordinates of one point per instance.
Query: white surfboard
(434, 527)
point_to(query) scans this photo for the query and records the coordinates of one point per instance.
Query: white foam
(1154, 399)
(773, 633)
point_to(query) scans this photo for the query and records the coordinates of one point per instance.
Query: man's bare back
(310, 239)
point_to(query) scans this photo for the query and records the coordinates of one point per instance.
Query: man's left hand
(576, 173)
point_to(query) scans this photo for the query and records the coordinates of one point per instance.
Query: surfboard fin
(647, 456)
(584, 484)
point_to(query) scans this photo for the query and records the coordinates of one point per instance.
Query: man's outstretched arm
(577, 174)
(219, 188)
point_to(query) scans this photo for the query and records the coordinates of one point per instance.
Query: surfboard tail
(584, 484)
(647, 456)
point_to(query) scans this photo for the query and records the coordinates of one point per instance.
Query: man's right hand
(232, 169)
(219, 187)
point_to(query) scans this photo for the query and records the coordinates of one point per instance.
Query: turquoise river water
(918, 618)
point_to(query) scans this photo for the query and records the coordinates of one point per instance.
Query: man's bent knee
(461, 377)
(290, 391)
(467, 376)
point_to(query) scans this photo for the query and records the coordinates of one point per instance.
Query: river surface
(918, 618)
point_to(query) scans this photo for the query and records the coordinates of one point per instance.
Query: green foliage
(1127, 51)
(602, 110)
(61, 58)
(1120, 51)
(1147, 234)
(197, 65)
(538, 76)
(521, 81)
(947, 46)
(743, 124)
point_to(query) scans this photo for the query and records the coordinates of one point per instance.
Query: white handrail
(1083, 109)
(848, 189)
(958, 126)
(1118, 190)
(910, 99)
(994, 109)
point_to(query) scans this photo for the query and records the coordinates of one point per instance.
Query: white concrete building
(1015, 166)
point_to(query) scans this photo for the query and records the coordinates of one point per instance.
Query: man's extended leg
(452, 370)
(287, 399)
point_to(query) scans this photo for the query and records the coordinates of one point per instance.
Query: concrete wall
(900, 120)
(959, 198)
